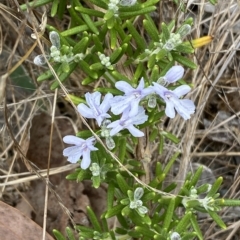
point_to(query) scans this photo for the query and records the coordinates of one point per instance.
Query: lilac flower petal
(135, 132)
(134, 108)
(69, 139)
(185, 108)
(170, 111)
(147, 91)
(124, 87)
(93, 98)
(159, 89)
(85, 111)
(116, 130)
(106, 102)
(86, 160)
(188, 104)
(174, 74)
(73, 153)
(182, 90)
(141, 84)
(140, 118)
(100, 118)
(119, 104)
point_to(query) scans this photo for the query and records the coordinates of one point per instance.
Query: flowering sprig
(129, 106)
(127, 122)
(59, 54)
(95, 110)
(184, 107)
(82, 149)
(131, 98)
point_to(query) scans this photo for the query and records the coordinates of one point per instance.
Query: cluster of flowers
(132, 113)
(58, 53)
(174, 40)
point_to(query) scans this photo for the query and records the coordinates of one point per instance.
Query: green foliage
(105, 42)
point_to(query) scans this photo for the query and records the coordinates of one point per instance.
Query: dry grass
(211, 137)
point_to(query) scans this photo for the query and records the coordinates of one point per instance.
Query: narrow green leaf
(122, 184)
(100, 3)
(63, 76)
(145, 231)
(183, 223)
(115, 55)
(137, 13)
(48, 74)
(111, 22)
(151, 61)
(88, 80)
(170, 136)
(86, 68)
(61, 8)
(183, 60)
(79, 29)
(54, 8)
(119, 76)
(73, 176)
(150, 3)
(58, 235)
(151, 28)
(161, 144)
(135, 7)
(70, 233)
(125, 211)
(189, 236)
(96, 66)
(122, 150)
(34, 4)
(89, 11)
(110, 195)
(196, 227)
(215, 187)
(217, 219)
(114, 211)
(83, 174)
(81, 46)
(138, 73)
(228, 202)
(155, 73)
(93, 219)
(196, 177)
(96, 181)
(109, 15)
(113, 38)
(169, 214)
(161, 54)
(185, 47)
(105, 225)
(122, 221)
(153, 134)
(136, 36)
(165, 33)
(108, 90)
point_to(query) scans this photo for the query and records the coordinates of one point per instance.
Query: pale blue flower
(82, 149)
(95, 110)
(127, 122)
(173, 74)
(184, 107)
(131, 98)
